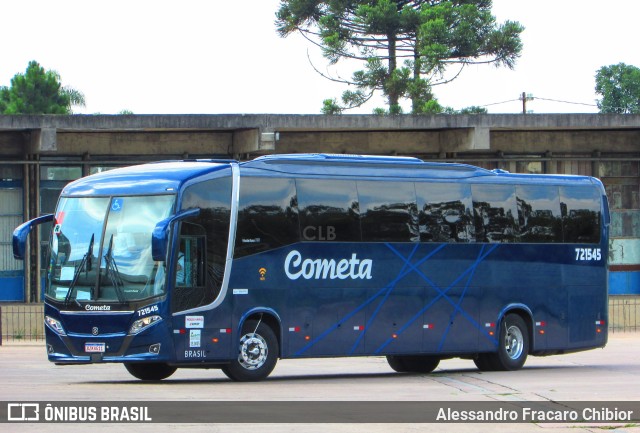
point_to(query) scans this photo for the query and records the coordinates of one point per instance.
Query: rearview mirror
(21, 233)
(159, 237)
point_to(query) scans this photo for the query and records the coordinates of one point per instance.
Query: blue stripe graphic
(385, 292)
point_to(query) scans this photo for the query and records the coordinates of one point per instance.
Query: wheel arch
(268, 316)
(525, 314)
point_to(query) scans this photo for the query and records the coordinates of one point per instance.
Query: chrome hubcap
(253, 351)
(513, 342)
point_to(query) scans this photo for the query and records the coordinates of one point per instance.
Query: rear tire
(149, 370)
(484, 361)
(413, 364)
(257, 353)
(513, 347)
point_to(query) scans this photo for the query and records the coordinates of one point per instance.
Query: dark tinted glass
(268, 215)
(194, 284)
(213, 197)
(539, 213)
(445, 212)
(328, 210)
(388, 211)
(580, 214)
(495, 212)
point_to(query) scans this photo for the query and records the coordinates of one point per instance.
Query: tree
(619, 86)
(38, 92)
(406, 46)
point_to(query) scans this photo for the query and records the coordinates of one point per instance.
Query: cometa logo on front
(295, 266)
(97, 307)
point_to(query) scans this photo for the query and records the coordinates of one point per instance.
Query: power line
(525, 97)
(498, 103)
(565, 102)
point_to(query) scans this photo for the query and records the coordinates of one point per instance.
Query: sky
(225, 57)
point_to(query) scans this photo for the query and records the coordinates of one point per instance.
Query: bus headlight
(144, 323)
(55, 325)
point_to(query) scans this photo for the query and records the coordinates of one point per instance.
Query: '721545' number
(585, 254)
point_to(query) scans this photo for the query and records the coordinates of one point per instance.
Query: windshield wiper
(112, 271)
(85, 264)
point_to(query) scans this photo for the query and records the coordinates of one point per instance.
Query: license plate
(94, 347)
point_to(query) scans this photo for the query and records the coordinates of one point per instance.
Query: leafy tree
(38, 92)
(619, 86)
(474, 109)
(331, 106)
(406, 46)
(433, 107)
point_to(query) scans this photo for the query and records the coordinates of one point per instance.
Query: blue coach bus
(221, 264)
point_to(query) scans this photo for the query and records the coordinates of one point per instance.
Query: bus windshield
(101, 249)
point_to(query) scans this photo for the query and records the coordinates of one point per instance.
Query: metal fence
(624, 313)
(24, 323)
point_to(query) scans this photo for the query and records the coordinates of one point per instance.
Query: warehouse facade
(41, 154)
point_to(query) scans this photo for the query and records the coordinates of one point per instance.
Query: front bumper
(151, 345)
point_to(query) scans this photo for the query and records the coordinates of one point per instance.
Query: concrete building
(40, 154)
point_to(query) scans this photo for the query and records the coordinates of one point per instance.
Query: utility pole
(524, 98)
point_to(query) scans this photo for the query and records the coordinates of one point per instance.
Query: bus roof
(153, 178)
(366, 166)
(169, 176)
(362, 166)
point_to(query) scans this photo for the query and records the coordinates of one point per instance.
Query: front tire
(257, 353)
(413, 364)
(149, 370)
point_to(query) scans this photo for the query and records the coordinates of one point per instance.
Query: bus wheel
(257, 353)
(513, 344)
(485, 361)
(149, 370)
(413, 364)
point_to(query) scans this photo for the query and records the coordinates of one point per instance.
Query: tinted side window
(203, 244)
(495, 212)
(445, 212)
(580, 214)
(193, 275)
(267, 215)
(388, 211)
(539, 213)
(328, 210)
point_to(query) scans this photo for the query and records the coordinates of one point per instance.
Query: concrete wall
(573, 133)
(143, 143)
(566, 141)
